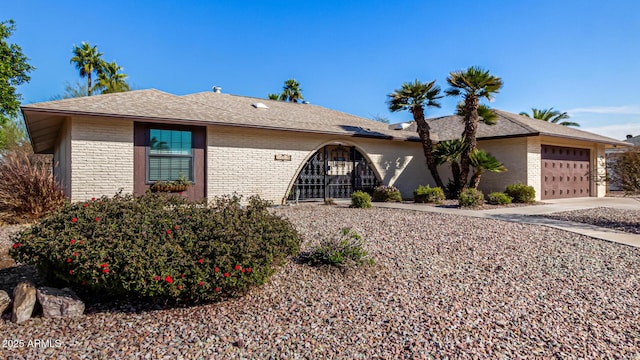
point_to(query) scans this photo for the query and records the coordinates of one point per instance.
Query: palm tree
(291, 91)
(414, 97)
(450, 151)
(273, 96)
(110, 80)
(483, 162)
(87, 60)
(473, 83)
(550, 115)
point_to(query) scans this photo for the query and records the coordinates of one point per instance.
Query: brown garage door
(565, 172)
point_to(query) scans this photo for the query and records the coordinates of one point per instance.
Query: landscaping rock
(24, 300)
(5, 300)
(59, 302)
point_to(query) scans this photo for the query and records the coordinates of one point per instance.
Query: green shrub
(360, 199)
(159, 246)
(344, 250)
(499, 198)
(521, 193)
(427, 194)
(28, 189)
(471, 197)
(385, 193)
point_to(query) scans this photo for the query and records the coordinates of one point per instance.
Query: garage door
(565, 172)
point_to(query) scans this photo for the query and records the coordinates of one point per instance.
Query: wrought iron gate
(335, 171)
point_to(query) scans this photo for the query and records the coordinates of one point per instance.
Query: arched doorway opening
(334, 171)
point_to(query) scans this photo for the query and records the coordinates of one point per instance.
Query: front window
(170, 155)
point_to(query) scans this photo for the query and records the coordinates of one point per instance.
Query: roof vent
(306, 102)
(401, 126)
(259, 106)
(217, 89)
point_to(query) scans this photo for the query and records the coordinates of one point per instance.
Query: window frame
(148, 155)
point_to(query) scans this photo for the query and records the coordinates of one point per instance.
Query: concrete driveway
(526, 214)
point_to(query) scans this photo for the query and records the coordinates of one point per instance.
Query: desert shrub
(28, 189)
(471, 197)
(360, 199)
(344, 250)
(427, 194)
(521, 193)
(624, 170)
(329, 201)
(385, 193)
(159, 246)
(499, 198)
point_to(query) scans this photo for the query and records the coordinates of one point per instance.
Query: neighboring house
(283, 151)
(613, 153)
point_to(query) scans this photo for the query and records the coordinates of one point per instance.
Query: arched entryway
(334, 171)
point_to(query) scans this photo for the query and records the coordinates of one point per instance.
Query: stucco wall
(101, 157)
(243, 160)
(513, 153)
(62, 157)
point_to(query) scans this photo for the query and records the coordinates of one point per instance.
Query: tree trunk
(470, 129)
(89, 84)
(475, 180)
(427, 144)
(455, 171)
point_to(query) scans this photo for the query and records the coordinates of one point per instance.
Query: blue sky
(576, 56)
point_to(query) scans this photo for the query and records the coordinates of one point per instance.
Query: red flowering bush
(159, 246)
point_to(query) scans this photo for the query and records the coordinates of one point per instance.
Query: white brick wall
(534, 162)
(243, 160)
(101, 157)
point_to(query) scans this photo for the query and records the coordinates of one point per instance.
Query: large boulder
(24, 300)
(59, 302)
(5, 300)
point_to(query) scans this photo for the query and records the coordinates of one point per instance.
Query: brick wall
(101, 157)
(243, 160)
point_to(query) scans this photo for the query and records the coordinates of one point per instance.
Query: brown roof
(207, 108)
(511, 125)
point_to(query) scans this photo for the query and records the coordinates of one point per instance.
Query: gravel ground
(443, 286)
(618, 219)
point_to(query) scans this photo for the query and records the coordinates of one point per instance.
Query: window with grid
(170, 155)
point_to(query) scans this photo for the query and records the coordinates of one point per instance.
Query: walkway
(524, 215)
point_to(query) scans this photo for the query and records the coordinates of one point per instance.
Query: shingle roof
(511, 125)
(208, 108)
(205, 108)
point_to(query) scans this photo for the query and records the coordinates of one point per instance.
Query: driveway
(527, 215)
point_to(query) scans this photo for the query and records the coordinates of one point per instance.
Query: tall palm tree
(450, 151)
(414, 97)
(291, 91)
(110, 79)
(483, 162)
(550, 115)
(87, 60)
(473, 84)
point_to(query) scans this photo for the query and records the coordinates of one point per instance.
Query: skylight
(259, 106)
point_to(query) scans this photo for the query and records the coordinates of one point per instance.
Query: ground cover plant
(499, 198)
(159, 246)
(360, 199)
(471, 197)
(384, 193)
(521, 193)
(344, 250)
(427, 194)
